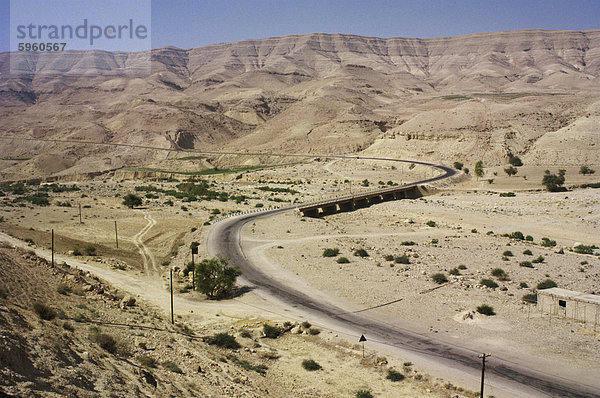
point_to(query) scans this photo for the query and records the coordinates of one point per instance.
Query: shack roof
(571, 295)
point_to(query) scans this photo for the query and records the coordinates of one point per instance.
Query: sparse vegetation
(394, 375)
(500, 274)
(511, 171)
(431, 223)
(488, 283)
(458, 165)
(403, 259)
(546, 242)
(271, 332)
(105, 341)
(454, 271)
(526, 264)
(44, 312)
(310, 365)
(585, 249)
(517, 235)
(527, 252)
(507, 194)
(146, 361)
(172, 366)
(507, 253)
(361, 253)
(363, 394)
(331, 252)
(342, 260)
(439, 278)
(486, 310)
(223, 340)
(538, 260)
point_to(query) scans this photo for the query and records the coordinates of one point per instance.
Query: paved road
(510, 378)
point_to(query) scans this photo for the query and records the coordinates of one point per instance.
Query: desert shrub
(105, 341)
(530, 298)
(76, 252)
(403, 259)
(454, 271)
(526, 264)
(523, 285)
(458, 165)
(439, 278)
(474, 231)
(538, 260)
(527, 252)
(68, 326)
(507, 194)
(342, 260)
(90, 250)
(431, 223)
(462, 266)
(3, 293)
(172, 366)
(146, 361)
(63, 289)
(388, 257)
(515, 161)
(361, 253)
(408, 243)
(546, 284)
(585, 170)
(363, 394)
(529, 238)
(511, 171)
(331, 252)
(245, 333)
(486, 310)
(223, 340)
(434, 241)
(507, 253)
(310, 365)
(546, 242)
(517, 235)
(271, 332)
(584, 249)
(314, 331)
(394, 375)
(44, 312)
(306, 325)
(488, 283)
(500, 274)
(80, 318)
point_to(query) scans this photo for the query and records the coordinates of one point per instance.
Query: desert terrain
(244, 127)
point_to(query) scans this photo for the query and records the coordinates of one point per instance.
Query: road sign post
(362, 340)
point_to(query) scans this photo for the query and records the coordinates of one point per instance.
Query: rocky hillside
(305, 93)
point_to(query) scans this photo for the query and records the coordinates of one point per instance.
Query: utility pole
(52, 248)
(171, 278)
(483, 356)
(80, 213)
(194, 251)
(116, 236)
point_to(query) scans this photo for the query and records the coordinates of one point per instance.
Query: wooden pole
(482, 356)
(171, 278)
(80, 213)
(193, 273)
(52, 248)
(116, 235)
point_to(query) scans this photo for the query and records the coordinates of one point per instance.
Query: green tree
(131, 200)
(479, 169)
(585, 170)
(514, 160)
(553, 182)
(458, 165)
(511, 171)
(214, 278)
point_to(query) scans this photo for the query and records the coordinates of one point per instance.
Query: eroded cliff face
(485, 94)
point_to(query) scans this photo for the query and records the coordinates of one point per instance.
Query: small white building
(583, 307)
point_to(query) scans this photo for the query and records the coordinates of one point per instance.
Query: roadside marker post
(116, 236)
(171, 278)
(362, 340)
(483, 356)
(52, 244)
(194, 251)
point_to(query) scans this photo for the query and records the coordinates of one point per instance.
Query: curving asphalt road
(515, 380)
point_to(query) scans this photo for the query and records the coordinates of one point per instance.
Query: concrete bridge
(363, 199)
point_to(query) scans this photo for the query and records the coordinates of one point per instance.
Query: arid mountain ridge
(318, 93)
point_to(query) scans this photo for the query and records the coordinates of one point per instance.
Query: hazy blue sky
(188, 23)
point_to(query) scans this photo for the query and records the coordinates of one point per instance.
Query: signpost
(362, 340)
(483, 357)
(194, 251)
